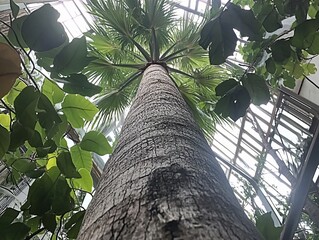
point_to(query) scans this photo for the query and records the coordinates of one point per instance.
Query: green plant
(37, 123)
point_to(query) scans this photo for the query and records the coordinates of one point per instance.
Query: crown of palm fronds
(129, 35)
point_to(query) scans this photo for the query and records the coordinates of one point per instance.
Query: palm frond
(186, 53)
(201, 100)
(157, 15)
(106, 46)
(119, 22)
(204, 120)
(102, 43)
(210, 76)
(113, 103)
(108, 76)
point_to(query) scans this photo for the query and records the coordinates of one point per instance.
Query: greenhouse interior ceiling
(268, 156)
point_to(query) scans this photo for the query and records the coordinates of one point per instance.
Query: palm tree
(162, 180)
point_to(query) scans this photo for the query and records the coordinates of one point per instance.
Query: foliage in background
(277, 42)
(279, 39)
(37, 115)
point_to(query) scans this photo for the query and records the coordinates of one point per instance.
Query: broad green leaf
(52, 161)
(14, 8)
(215, 7)
(48, 147)
(94, 141)
(309, 68)
(269, 17)
(85, 182)
(272, 21)
(74, 224)
(49, 222)
(45, 59)
(78, 83)
(4, 142)
(280, 7)
(271, 66)
(23, 165)
(281, 50)
(53, 173)
(234, 104)
(52, 91)
(47, 115)
(5, 121)
(303, 31)
(15, 91)
(81, 158)
(40, 195)
(39, 38)
(207, 34)
(36, 173)
(295, 69)
(257, 88)
(313, 9)
(76, 218)
(60, 130)
(18, 136)
(62, 200)
(78, 109)
(72, 58)
(25, 105)
(66, 166)
(266, 227)
(243, 20)
(221, 39)
(16, 231)
(289, 82)
(14, 33)
(300, 9)
(225, 86)
(8, 216)
(312, 42)
(33, 223)
(34, 139)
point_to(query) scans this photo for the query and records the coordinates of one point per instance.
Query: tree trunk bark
(162, 181)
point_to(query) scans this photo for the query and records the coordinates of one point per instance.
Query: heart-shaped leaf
(47, 34)
(225, 86)
(66, 166)
(257, 88)
(221, 39)
(281, 50)
(243, 20)
(94, 141)
(78, 109)
(234, 104)
(78, 83)
(72, 58)
(5, 141)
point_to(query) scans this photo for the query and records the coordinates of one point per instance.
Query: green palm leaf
(129, 35)
(112, 106)
(199, 93)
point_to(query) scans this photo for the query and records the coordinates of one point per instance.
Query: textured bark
(162, 181)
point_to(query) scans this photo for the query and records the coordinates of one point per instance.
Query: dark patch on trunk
(173, 228)
(166, 182)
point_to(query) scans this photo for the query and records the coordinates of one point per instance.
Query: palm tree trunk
(162, 181)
